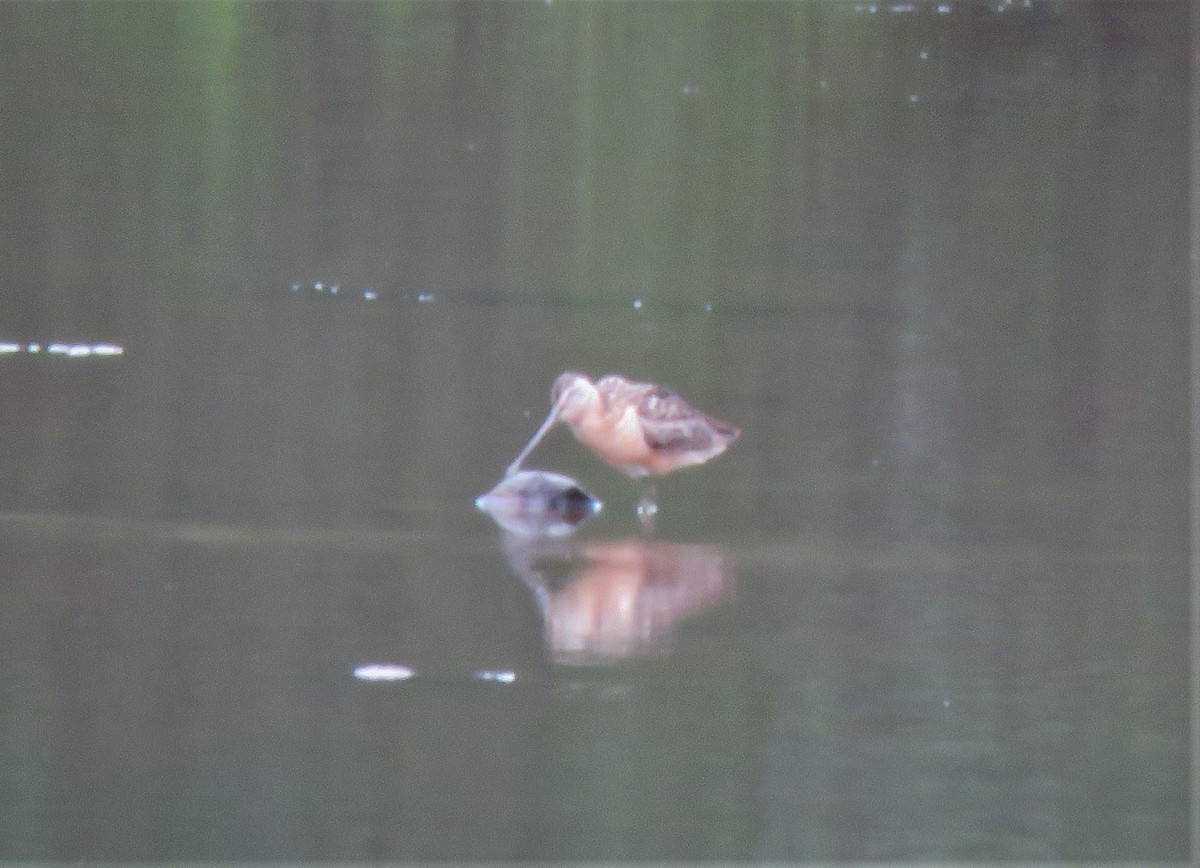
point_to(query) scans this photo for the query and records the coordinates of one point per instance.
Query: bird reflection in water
(617, 599)
(601, 601)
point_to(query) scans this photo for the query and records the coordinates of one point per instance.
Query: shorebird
(641, 429)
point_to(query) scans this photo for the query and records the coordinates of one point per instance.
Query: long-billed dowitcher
(641, 429)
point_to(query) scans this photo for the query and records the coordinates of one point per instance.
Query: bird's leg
(551, 418)
(647, 508)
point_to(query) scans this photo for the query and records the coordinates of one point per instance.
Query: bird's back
(680, 434)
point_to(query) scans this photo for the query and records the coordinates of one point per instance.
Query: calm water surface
(932, 605)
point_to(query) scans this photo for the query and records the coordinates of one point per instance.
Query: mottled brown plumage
(641, 429)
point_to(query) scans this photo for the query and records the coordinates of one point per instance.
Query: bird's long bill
(551, 418)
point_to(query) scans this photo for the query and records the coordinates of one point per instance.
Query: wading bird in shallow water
(640, 429)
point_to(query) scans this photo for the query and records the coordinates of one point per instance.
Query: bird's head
(571, 395)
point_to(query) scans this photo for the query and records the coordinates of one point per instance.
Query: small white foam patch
(383, 672)
(505, 676)
(60, 348)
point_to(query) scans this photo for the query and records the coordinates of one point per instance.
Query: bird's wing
(672, 424)
(669, 422)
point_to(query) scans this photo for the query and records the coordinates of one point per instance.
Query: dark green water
(932, 606)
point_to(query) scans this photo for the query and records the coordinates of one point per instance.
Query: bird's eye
(562, 386)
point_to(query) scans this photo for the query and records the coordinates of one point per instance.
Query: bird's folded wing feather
(672, 424)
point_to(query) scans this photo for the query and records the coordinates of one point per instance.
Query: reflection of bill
(620, 599)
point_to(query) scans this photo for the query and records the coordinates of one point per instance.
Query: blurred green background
(931, 257)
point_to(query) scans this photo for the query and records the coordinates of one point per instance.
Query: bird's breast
(618, 439)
